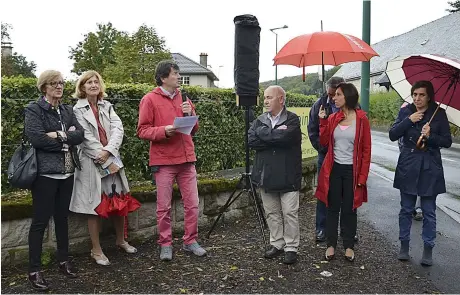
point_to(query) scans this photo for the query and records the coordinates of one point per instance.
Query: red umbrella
(323, 48)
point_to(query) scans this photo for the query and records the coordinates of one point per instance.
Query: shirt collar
(275, 117)
(169, 94)
(56, 108)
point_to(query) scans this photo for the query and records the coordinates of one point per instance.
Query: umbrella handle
(421, 142)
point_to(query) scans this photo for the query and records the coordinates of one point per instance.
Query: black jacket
(40, 119)
(313, 122)
(278, 161)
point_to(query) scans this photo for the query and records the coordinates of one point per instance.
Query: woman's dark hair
(163, 69)
(424, 84)
(351, 94)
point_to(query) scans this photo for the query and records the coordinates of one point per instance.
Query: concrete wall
(141, 223)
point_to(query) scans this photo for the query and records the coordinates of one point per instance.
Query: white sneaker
(195, 248)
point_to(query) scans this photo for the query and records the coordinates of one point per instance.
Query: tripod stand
(247, 186)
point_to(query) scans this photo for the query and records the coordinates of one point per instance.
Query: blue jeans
(321, 209)
(429, 218)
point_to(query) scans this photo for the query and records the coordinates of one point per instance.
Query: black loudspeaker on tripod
(246, 76)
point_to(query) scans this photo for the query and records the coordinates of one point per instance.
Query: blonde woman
(99, 155)
(53, 131)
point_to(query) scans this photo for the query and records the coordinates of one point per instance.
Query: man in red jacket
(172, 156)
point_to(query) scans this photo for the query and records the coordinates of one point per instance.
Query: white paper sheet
(185, 124)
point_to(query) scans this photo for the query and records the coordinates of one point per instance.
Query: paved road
(386, 152)
(383, 208)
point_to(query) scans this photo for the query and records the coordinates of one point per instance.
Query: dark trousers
(50, 197)
(428, 205)
(321, 210)
(340, 201)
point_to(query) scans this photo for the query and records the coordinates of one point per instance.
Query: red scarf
(100, 129)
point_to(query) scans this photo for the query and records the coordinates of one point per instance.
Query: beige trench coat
(86, 194)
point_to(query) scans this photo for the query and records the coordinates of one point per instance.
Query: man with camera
(276, 137)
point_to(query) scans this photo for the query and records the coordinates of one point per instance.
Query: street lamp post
(276, 49)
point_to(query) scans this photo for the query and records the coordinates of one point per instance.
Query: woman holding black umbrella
(419, 170)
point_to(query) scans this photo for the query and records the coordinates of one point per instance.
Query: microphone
(184, 99)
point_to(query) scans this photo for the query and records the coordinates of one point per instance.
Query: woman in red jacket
(343, 176)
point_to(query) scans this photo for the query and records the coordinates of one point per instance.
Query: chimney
(7, 49)
(204, 59)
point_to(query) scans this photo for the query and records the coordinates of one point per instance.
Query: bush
(219, 143)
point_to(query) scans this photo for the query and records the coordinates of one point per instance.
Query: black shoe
(272, 252)
(67, 269)
(427, 258)
(404, 251)
(38, 282)
(320, 236)
(290, 257)
(329, 257)
(352, 257)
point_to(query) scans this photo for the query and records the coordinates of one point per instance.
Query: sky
(45, 31)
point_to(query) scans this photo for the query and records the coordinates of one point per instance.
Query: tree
(119, 56)
(311, 86)
(15, 64)
(136, 56)
(95, 52)
(455, 6)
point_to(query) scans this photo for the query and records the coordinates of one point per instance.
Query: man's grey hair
(334, 81)
(279, 91)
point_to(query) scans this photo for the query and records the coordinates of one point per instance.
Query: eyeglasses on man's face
(55, 84)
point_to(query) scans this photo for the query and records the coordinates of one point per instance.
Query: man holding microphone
(172, 156)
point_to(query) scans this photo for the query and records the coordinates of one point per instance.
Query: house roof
(437, 37)
(191, 67)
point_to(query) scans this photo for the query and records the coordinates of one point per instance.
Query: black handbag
(22, 170)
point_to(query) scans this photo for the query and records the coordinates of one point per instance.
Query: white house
(439, 37)
(193, 73)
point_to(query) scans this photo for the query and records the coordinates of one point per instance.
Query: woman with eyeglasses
(53, 130)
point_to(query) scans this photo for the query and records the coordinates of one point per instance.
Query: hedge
(219, 143)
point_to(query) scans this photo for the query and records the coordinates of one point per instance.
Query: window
(185, 80)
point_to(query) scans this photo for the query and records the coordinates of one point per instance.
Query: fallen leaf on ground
(199, 269)
(262, 279)
(324, 261)
(270, 279)
(183, 290)
(362, 267)
(316, 265)
(326, 274)
(233, 267)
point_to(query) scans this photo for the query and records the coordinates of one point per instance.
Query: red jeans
(185, 176)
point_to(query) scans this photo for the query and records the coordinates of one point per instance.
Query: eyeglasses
(55, 84)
